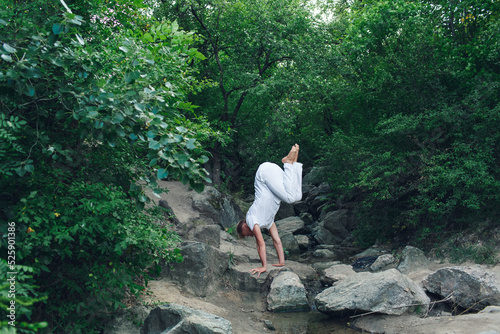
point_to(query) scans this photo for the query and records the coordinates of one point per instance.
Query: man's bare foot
(292, 155)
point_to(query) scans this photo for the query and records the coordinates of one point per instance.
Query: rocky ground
(246, 308)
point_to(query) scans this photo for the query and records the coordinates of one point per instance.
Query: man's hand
(279, 264)
(258, 271)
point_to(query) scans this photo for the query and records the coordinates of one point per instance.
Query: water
(312, 322)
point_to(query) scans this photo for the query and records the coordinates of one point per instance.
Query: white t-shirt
(273, 185)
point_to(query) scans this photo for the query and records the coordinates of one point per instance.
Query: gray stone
(382, 262)
(293, 225)
(300, 207)
(303, 241)
(324, 254)
(208, 234)
(217, 207)
(315, 176)
(201, 270)
(337, 223)
(307, 218)
(287, 293)
(286, 210)
(336, 273)
(412, 259)
(469, 287)
(388, 292)
(178, 319)
(324, 236)
(289, 243)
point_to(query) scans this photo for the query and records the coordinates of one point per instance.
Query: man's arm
(261, 249)
(277, 245)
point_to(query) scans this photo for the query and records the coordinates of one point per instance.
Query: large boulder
(208, 234)
(287, 293)
(339, 222)
(201, 271)
(217, 207)
(468, 287)
(388, 292)
(412, 259)
(178, 319)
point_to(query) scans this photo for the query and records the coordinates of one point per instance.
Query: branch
(420, 304)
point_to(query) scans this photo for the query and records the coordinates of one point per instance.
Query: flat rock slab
(487, 321)
(241, 278)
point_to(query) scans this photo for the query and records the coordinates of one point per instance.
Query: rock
(324, 254)
(412, 259)
(303, 241)
(217, 207)
(479, 323)
(201, 271)
(323, 235)
(287, 293)
(320, 267)
(382, 262)
(307, 218)
(337, 222)
(286, 210)
(470, 287)
(208, 234)
(300, 207)
(170, 212)
(293, 225)
(388, 292)
(241, 279)
(289, 243)
(269, 325)
(126, 320)
(315, 176)
(336, 273)
(177, 319)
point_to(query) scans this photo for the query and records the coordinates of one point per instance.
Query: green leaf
(190, 144)
(57, 28)
(6, 57)
(139, 106)
(8, 48)
(80, 39)
(175, 27)
(117, 118)
(148, 38)
(162, 173)
(154, 145)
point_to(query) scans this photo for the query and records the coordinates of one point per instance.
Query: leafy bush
(90, 246)
(88, 119)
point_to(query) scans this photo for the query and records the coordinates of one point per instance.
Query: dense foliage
(400, 100)
(90, 117)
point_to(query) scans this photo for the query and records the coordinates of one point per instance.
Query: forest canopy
(398, 102)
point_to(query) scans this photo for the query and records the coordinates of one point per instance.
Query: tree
(86, 121)
(426, 164)
(245, 44)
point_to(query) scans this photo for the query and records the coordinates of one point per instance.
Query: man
(272, 185)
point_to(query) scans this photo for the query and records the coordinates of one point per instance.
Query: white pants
(273, 185)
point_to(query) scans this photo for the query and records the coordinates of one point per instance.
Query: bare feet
(292, 155)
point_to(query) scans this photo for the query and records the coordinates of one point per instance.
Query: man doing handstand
(272, 185)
